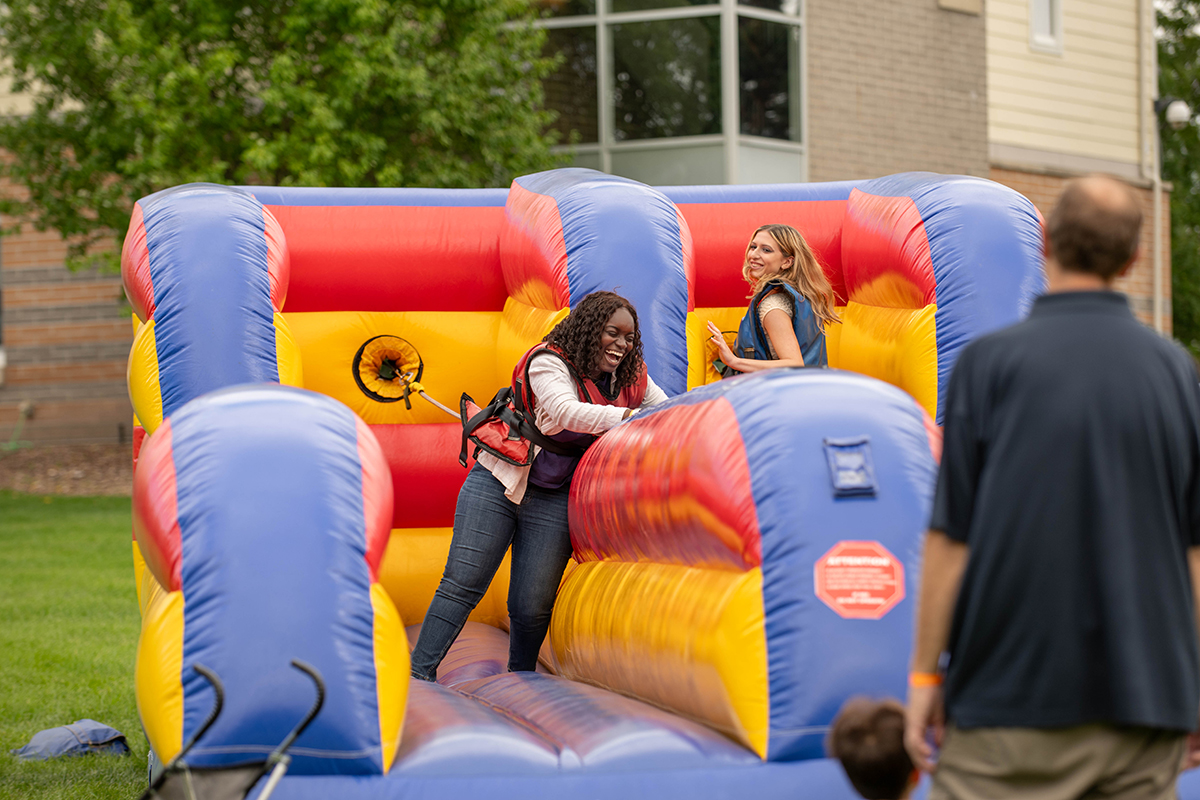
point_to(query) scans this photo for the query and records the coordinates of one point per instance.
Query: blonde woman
(792, 303)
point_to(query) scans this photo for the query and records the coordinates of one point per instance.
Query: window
(571, 90)
(667, 78)
(769, 77)
(670, 91)
(1045, 26)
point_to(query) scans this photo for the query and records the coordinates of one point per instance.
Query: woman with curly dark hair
(584, 378)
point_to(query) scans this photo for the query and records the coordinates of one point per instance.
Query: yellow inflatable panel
(412, 568)
(456, 347)
(287, 354)
(897, 345)
(689, 640)
(521, 327)
(158, 685)
(700, 351)
(142, 378)
(391, 672)
(139, 573)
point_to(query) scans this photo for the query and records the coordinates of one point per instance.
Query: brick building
(1026, 92)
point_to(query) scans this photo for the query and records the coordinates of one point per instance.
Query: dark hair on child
(868, 738)
(578, 337)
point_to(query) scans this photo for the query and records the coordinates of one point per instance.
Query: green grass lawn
(68, 631)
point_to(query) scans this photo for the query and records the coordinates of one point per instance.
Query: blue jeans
(485, 523)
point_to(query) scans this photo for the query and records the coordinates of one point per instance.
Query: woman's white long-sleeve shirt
(559, 409)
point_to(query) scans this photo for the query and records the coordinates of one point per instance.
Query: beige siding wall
(1083, 102)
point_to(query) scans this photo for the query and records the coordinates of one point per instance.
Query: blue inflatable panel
(1002, 227)
(1188, 785)
(819, 779)
(448, 734)
(598, 729)
(213, 319)
(444, 198)
(772, 193)
(625, 237)
(269, 486)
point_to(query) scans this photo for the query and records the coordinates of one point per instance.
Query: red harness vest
(506, 427)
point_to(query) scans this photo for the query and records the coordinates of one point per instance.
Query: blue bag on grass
(77, 739)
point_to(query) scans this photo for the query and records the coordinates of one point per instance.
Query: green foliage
(134, 97)
(67, 644)
(1179, 76)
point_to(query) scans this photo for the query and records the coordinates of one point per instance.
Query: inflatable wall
(746, 554)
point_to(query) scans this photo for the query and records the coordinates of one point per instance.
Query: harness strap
(499, 400)
(519, 399)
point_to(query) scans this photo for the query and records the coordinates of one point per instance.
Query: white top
(775, 300)
(559, 409)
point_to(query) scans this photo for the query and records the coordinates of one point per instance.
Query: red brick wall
(66, 335)
(1138, 283)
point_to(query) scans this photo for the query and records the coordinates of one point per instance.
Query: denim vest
(752, 339)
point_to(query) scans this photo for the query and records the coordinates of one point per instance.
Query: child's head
(868, 738)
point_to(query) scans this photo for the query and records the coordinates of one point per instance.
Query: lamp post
(1178, 115)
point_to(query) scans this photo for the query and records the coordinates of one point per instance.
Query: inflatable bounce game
(745, 554)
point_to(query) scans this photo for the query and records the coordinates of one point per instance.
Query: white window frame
(1050, 42)
(730, 136)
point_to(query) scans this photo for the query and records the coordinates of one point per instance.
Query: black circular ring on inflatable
(384, 366)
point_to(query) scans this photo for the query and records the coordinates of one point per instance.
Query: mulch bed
(84, 470)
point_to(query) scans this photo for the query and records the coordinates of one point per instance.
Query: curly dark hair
(578, 337)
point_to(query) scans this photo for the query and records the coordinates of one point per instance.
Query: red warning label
(859, 580)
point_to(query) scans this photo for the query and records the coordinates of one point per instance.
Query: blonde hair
(804, 274)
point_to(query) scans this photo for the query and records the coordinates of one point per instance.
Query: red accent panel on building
(381, 258)
(672, 487)
(155, 516)
(135, 267)
(721, 231)
(533, 253)
(426, 475)
(279, 263)
(378, 497)
(886, 253)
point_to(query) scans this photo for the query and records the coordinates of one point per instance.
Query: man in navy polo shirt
(1061, 564)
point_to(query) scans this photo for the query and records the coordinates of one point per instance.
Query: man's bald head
(1094, 228)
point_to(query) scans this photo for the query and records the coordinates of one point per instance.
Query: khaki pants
(1089, 761)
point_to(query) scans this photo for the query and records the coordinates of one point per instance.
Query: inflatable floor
(746, 554)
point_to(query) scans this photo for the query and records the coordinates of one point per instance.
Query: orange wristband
(921, 679)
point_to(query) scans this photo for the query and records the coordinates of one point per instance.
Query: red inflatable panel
(135, 267)
(673, 487)
(383, 258)
(378, 510)
(139, 436)
(279, 266)
(721, 231)
(426, 475)
(533, 251)
(155, 516)
(886, 252)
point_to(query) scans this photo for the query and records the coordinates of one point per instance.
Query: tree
(133, 97)
(1179, 76)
